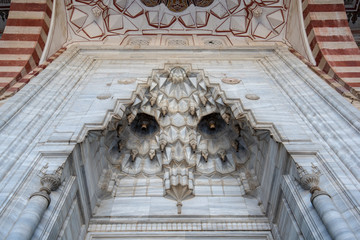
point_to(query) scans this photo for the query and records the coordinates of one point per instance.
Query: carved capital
(309, 181)
(51, 181)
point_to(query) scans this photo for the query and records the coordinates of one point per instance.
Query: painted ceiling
(100, 19)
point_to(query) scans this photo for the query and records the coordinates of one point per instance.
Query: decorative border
(181, 225)
(260, 235)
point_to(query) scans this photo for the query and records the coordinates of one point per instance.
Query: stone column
(324, 206)
(38, 202)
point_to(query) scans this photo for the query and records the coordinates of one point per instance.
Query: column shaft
(332, 219)
(29, 219)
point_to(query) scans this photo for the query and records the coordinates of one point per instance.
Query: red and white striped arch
(23, 42)
(331, 41)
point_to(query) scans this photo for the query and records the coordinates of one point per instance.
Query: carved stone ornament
(49, 182)
(178, 125)
(179, 184)
(178, 5)
(310, 181)
(231, 80)
(126, 81)
(252, 96)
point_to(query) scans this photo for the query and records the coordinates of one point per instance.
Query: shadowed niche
(144, 125)
(211, 124)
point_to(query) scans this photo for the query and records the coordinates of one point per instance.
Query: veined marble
(290, 119)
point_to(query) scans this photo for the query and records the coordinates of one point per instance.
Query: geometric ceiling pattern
(99, 19)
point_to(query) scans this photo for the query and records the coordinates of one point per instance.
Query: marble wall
(54, 118)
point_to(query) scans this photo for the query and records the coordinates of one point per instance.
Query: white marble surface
(80, 90)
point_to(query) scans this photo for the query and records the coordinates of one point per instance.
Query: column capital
(50, 182)
(308, 181)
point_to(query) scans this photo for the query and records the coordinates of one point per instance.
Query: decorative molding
(329, 80)
(341, 143)
(208, 234)
(216, 225)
